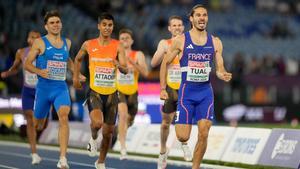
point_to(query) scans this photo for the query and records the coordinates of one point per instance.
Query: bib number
(174, 73)
(57, 70)
(126, 79)
(198, 71)
(30, 78)
(104, 77)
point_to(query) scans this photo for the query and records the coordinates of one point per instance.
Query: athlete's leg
(110, 115)
(96, 117)
(200, 148)
(39, 124)
(122, 124)
(132, 104)
(30, 130)
(63, 133)
(183, 132)
(107, 132)
(168, 112)
(62, 102)
(41, 108)
(95, 106)
(28, 95)
(167, 119)
(183, 119)
(204, 116)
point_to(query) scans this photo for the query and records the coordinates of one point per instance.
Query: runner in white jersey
(28, 92)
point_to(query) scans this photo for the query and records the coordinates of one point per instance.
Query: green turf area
(12, 137)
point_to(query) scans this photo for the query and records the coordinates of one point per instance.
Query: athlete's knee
(165, 125)
(63, 118)
(35, 124)
(29, 115)
(96, 123)
(29, 118)
(182, 136)
(202, 136)
(203, 132)
(38, 124)
(122, 116)
(166, 122)
(107, 132)
(63, 114)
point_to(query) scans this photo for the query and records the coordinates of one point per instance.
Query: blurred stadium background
(261, 40)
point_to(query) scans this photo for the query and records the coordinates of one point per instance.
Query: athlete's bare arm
(77, 65)
(71, 65)
(16, 65)
(122, 64)
(219, 62)
(141, 65)
(160, 52)
(38, 47)
(70, 61)
(174, 50)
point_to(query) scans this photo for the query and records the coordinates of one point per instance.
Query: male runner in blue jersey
(197, 49)
(28, 92)
(51, 53)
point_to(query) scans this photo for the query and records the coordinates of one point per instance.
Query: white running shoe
(99, 165)
(36, 159)
(123, 153)
(187, 155)
(162, 160)
(92, 147)
(63, 163)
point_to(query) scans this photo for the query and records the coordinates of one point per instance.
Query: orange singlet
(101, 66)
(128, 84)
(174, 73)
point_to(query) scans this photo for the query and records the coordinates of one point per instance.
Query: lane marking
(116, 156)
(48, 159)
(8, 167)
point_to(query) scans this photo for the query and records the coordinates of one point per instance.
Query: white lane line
(8, 167)
(117, 156)
(49, 159)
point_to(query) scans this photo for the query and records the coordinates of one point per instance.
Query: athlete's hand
(116, 63)
(163, 94)
(4, 74)
(224, 75)
(131, 61)
(82, 78)
(76, 83)
(43, 73)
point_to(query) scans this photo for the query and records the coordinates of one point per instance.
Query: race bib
(57, 70)
(198, 71)
(126, 79)
(104, 77)
(30, 78)
(174, 74)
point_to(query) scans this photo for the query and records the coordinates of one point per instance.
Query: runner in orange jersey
(176, 28)
(127, 86)
(102, 99)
